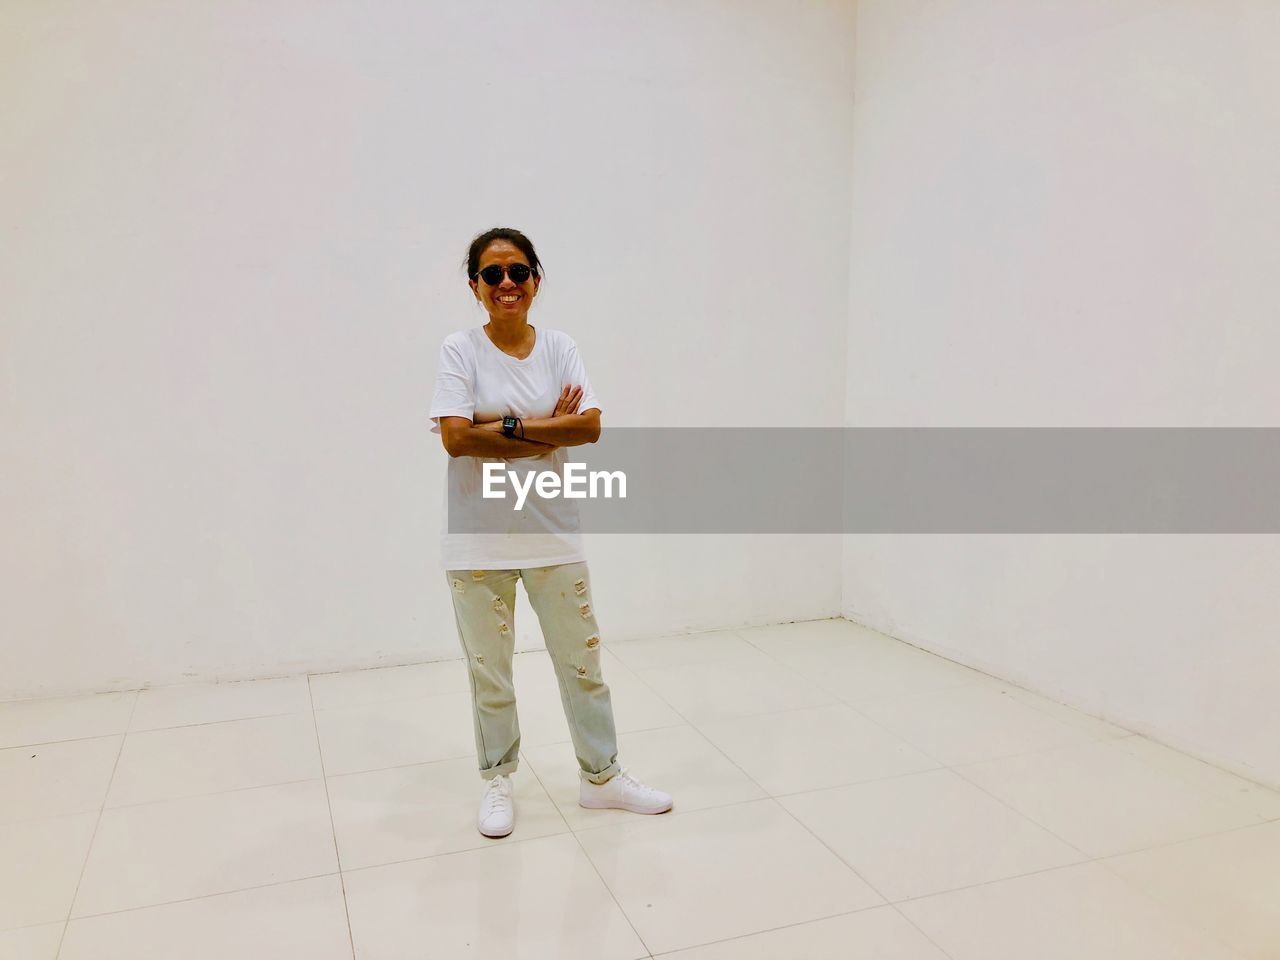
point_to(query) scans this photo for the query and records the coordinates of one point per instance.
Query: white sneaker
(497, 809)
(623, 792)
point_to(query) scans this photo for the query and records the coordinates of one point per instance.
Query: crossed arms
(564, 428)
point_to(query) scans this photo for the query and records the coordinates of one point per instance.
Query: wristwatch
(509, 426)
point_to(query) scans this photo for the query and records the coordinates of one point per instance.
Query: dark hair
(481, 243)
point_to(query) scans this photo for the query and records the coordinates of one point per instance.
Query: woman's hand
(548, 432)
(568, 402)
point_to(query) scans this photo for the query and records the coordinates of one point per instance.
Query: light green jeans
(484, 604)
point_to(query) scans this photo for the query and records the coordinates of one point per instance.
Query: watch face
(508, 421)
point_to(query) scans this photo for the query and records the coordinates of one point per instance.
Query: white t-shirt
(478, 381)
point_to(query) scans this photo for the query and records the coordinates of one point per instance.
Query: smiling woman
(509, 391)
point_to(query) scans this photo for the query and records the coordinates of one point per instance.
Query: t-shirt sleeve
(575, 374)
(455, 394)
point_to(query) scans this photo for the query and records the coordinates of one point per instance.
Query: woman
(508, 391)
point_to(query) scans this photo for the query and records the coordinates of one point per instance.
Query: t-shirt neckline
(537, 345)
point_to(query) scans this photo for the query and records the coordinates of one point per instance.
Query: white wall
(234, 235)
(1068, 214)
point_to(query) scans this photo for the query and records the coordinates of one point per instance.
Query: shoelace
(629, 779)
(495, 797)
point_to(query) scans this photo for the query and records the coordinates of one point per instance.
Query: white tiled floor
(837, 794)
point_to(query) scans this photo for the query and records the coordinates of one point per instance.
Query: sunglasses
(518, 272)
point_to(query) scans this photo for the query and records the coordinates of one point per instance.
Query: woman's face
(507, 300)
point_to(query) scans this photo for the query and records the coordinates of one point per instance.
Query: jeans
(484, 605)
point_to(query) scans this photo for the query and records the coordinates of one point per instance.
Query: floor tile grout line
(213, 723)
(939, 691)
(1088, 739)
(897, 903)
(206, 896)
(686, 720)
(603, 826)
(792, 673)
(989, 883)
(1166, 907)
(333, 829)
(1021, 813)
(838, 699)
(776, 803)
(149, 688)
(576, 839)
(959, 768)
(870, 886)
(894, 645)
(737, 631)
(215, 793)
(93, 836)
(89, 808)
(888, 903)
(785, 926)
(1095, 738)
(50, 743)
(1066, 706)
(14, 701)
(198, 796)
(1213, 834)
(897, 908)
(397, 698)
(1087, 736)
(712, 744)
(1028, 707)
(1086, 857)
(568, 741)
(982, 677)
(571, 829)
(953, 768)
(853, 703)
(852, 869)
(730, 760)
(674, 812)
(307, 675)
(758, 785)
(326, 777)
(128, 731)
(644, 683)
(29, 926)
(694, 727)
(491, 844)
(857, 783)
(1161, 906)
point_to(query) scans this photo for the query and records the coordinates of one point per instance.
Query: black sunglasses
(518, 272)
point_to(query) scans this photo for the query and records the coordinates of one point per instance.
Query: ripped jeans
(484, 605)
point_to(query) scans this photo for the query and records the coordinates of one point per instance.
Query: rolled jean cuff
(502, 769)
(604, 776)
